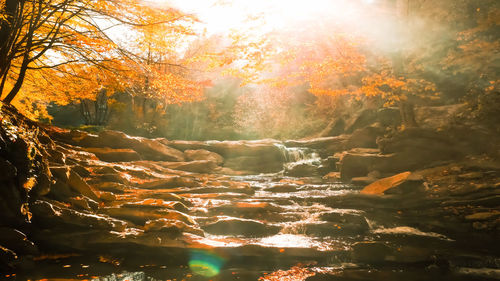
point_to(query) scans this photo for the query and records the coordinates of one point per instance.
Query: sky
(221, 16)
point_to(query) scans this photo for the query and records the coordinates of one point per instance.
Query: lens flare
(205, 263)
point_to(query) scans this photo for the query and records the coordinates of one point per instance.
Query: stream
(277, 227)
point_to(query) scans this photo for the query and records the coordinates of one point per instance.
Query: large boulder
(202, 154)
(147, 148)
(358, 163)
(114, 154)
(365, 137)
(397, 184)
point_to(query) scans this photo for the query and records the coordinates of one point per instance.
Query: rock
(139, 216)
(364, 137)
(258, 164)
(285, 187)
(371, 252)
(329, 145)
(364, 119)
(346, 217)
(415, 148)
(17, 241)
(76, 183)
(321, 229)
(483, 216)
(397, 184)
(202, 154)
(107, 196)
(150, 203)
(301, 170)
(332, 176)
(471, 176)
(46, 215)
(114, 154)
(241, 227)
(363, 180)
(389, 117)
(9, 171)
(198, 166)
(169, 182)
(174, 227)
(357, 164)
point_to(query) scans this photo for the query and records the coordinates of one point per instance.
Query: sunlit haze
(223, 16)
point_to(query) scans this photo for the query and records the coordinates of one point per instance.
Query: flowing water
(291, 228)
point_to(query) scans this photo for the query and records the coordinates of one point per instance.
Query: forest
(249, 140)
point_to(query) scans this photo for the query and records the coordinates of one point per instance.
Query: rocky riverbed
(419, 204)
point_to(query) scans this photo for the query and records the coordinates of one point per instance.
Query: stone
(301, 170)
(173, 227)
(169, 182)
(9, 171)
(284, 187)
(47, 215)
(364, 137)
(17, 241)
(114, 154)
(76, 183)
(397, 184)
(371, 252)
(357, 164)
(198, 166)
(332, 176)
(363, 180)
(241, 227)
(471, 176)
(483, 216)
(140, 216)
(202, 154)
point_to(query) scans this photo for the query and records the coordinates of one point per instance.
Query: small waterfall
(299, 155)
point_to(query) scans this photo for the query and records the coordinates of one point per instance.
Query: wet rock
(9, 171)
(169, 182)
(202, 154)
(46, 215)
(76, 183)
(107, 196)
(198, 166)
(371, 252)
(363, 180)
(114, 154)
(139, 216)
(8, 259)
(285, 187)
(247, 209)
(147, 148)
(482, 216)
(150, 203)
(173, 227)
(17, 241)
(398, 184)
(56, 157)
(267, 163)
(349, 217)
(83, 203)
(241, 227)
(113, 187)
(301, 170)
(329, 145)
(332, 176)
(471, 176)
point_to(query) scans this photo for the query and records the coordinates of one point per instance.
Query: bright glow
(219, 16)
(205, 263)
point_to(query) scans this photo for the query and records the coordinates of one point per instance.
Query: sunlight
(268, 15)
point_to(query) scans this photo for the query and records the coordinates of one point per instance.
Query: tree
(65, 45)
